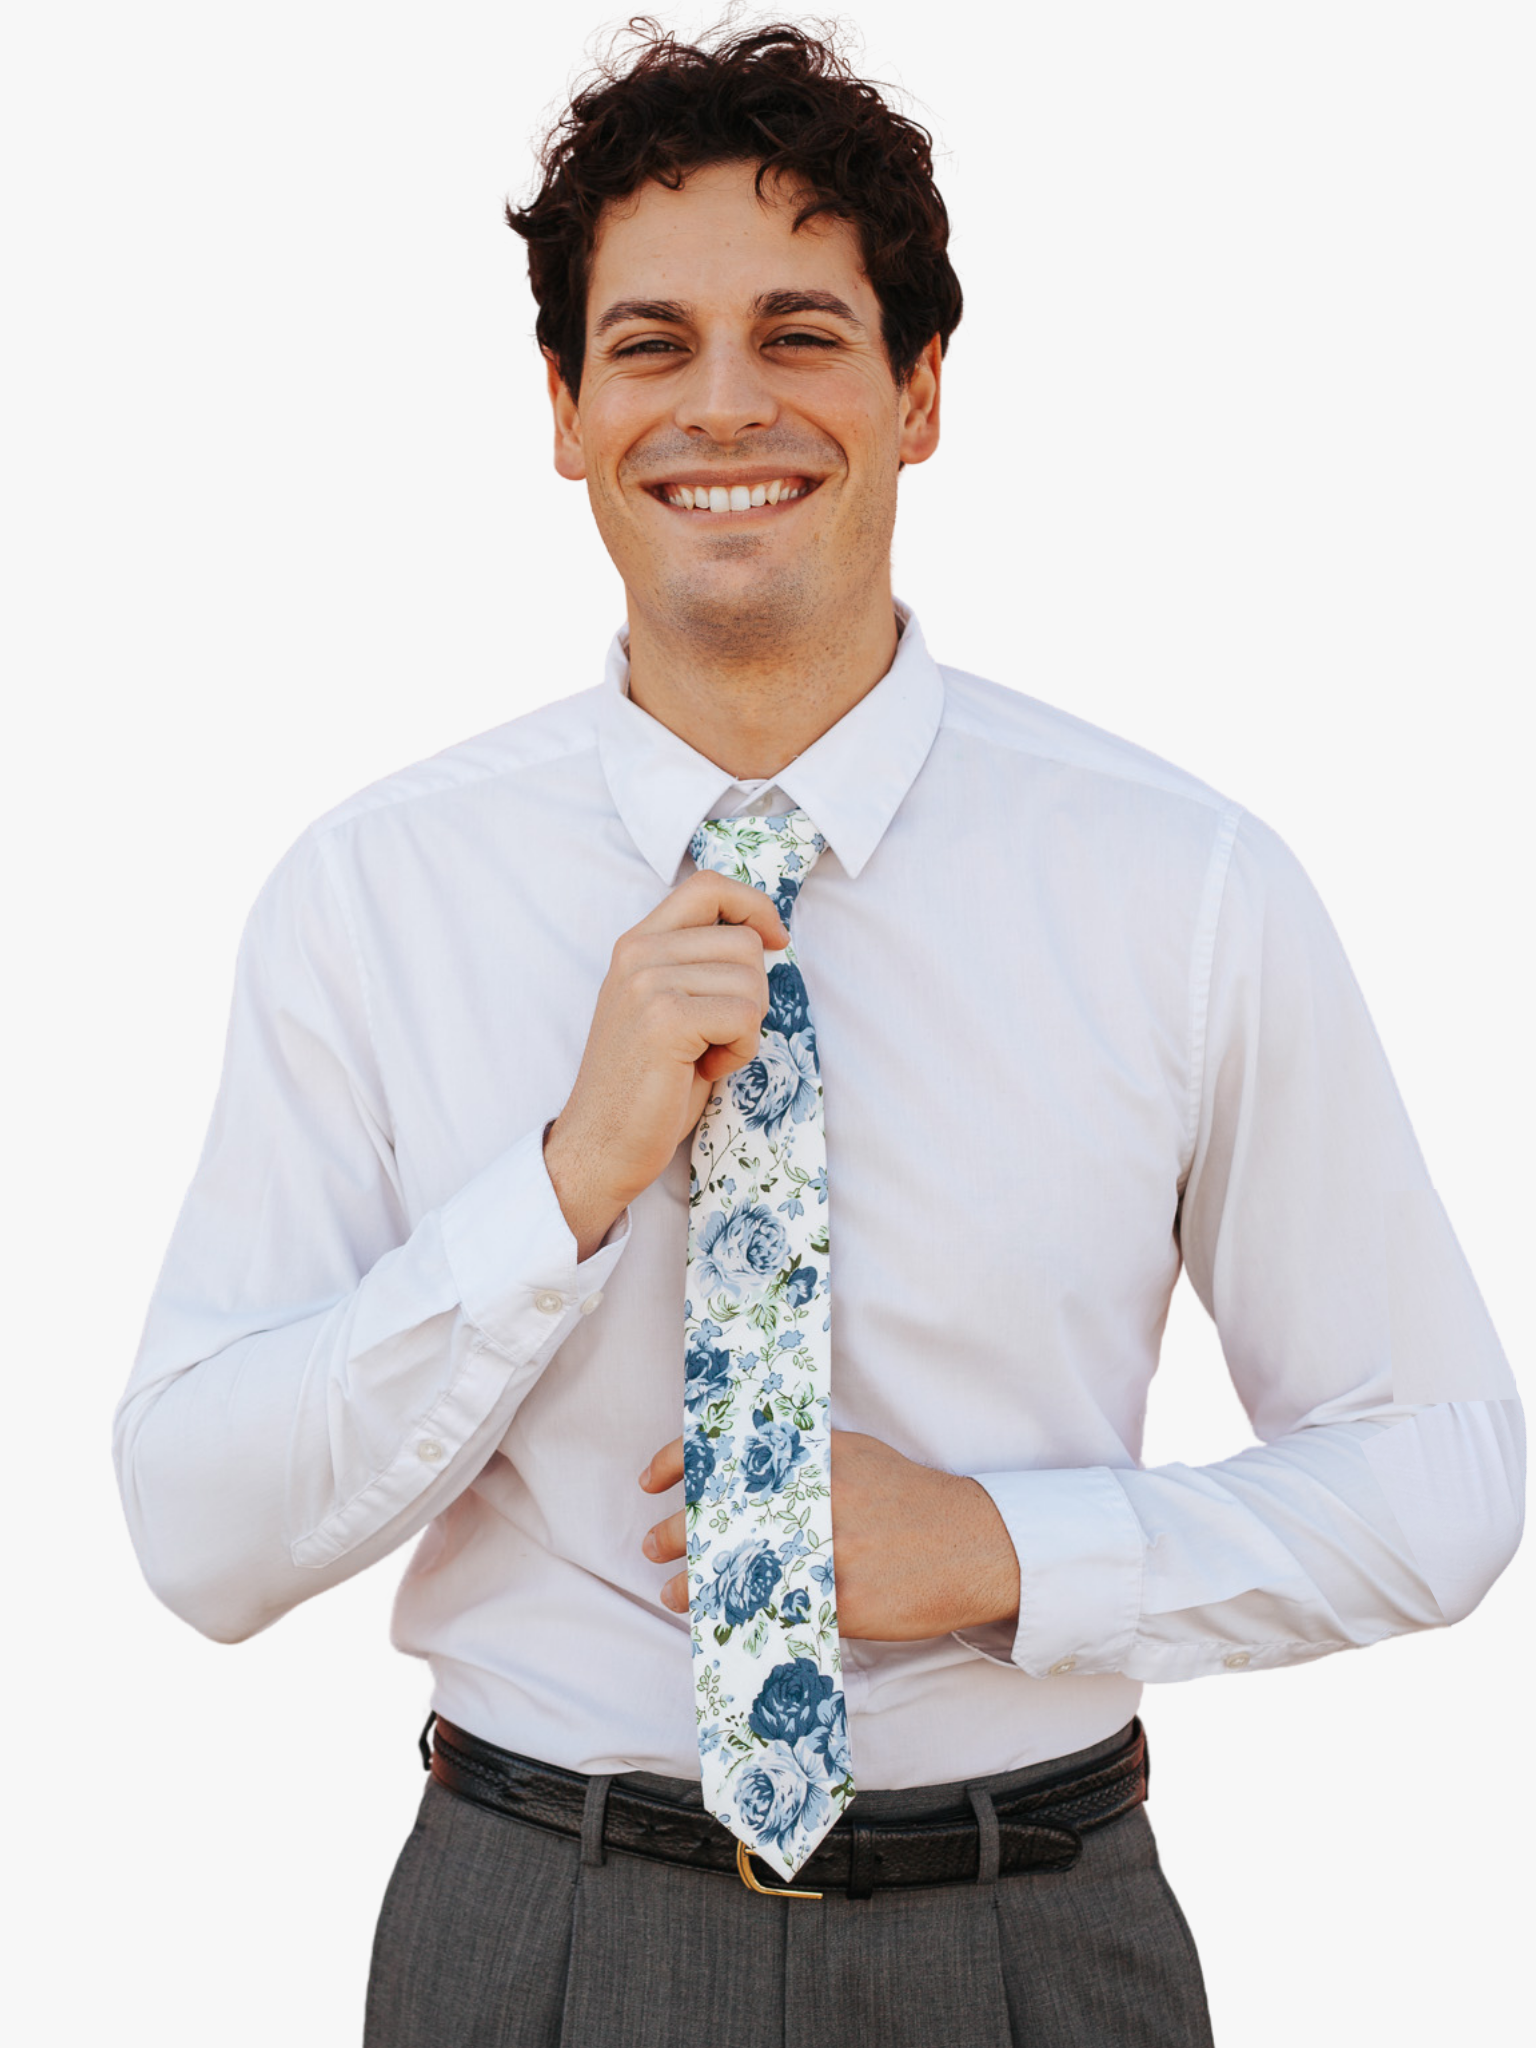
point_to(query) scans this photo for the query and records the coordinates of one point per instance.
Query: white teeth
(731, 497)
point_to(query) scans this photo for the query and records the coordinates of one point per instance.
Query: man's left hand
(918, 1552)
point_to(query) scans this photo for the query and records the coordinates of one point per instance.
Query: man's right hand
(682, 1005)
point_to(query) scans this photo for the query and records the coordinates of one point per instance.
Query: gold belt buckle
(768, 1891)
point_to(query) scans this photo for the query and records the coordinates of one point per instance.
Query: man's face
(739, 429)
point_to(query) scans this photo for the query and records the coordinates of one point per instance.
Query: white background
(1238, 463)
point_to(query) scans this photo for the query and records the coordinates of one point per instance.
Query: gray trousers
(495, 1934)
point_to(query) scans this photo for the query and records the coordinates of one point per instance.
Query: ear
(570, 461)
(919, 402)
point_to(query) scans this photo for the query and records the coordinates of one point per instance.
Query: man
(791, 1033)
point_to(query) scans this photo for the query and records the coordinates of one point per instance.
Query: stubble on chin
(743, 624)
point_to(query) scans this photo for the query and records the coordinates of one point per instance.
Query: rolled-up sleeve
(1385, 1491)
(321, 1374)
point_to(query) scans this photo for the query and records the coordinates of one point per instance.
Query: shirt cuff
(513, 1257)
(1080, 1550)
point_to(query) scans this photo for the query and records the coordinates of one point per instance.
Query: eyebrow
(771, 305)
(671, 312)
(766, 306)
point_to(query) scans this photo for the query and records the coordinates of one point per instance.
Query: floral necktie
(773, 1727)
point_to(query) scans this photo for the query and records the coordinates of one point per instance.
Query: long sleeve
(318, 1377)
(1385, 1492)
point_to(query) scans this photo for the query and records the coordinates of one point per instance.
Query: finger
(717, 943)
(665, 1469)
(704, 1024)
(737, 980)
(674, 1594)
(667, 1540)
(721, 1060)
(707, 898)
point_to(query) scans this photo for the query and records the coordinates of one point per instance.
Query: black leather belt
(1036, 1828)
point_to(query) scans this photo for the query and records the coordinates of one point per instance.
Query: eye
(648, 345)
(802, 339)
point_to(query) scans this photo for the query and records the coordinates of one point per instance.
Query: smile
(743, 497)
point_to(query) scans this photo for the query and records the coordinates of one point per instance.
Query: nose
(726, 393)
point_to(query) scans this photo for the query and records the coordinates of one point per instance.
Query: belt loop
(988, 1848)
(861, 1862)
(422, 1743)
(593, 1815)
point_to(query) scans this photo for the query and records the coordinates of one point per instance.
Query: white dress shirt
(1078, 1017)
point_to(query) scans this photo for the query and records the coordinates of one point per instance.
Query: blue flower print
(789, 1007)
(800, 1286)
(738, 1249)
(773, 1734)
(831, 1733)
(706, 1374)
(698, 1463)
(719, 1482)
(770, 1457)
(744, 1581)
(779, 1083)
(785, 1708)
(784, 1792)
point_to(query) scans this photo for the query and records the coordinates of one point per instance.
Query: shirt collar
(851, 781)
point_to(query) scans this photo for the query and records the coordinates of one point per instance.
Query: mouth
(740, 494)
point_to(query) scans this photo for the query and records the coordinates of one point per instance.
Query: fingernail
(649, 1545)
(645, 1475)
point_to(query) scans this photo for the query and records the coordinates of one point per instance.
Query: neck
(752, 709)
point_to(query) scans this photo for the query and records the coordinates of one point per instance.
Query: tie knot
(771, 854)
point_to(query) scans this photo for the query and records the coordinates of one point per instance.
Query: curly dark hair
(777, 97)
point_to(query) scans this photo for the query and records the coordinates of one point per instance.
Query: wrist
(986, 1583)
(590, 1207)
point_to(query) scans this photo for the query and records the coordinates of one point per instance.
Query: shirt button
(592, 1302)
(429, 1450)
(1062, 1667)
(1236, 1660)
(549, 1303)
